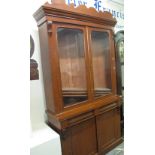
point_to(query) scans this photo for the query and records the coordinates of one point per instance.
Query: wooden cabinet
(78, 63)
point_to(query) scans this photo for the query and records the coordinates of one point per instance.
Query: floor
(119, 150)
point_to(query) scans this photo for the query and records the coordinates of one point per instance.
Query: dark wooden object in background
(85, 114)
(119, 38)
(34, 73)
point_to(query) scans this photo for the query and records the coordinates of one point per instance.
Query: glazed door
(72, 55)
(85, 63)
(100, 47)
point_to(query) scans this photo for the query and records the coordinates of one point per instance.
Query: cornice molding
(70, 11)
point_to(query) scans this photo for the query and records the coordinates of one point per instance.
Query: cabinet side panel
(66, 143)
(46, 67)
(117, 123)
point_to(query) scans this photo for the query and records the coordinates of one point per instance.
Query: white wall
(37, 99)
(37, 107)
(42, 137)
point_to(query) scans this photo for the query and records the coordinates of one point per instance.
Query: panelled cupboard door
(108, 129)
(81, 139)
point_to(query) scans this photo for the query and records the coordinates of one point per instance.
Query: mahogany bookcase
(79, 72)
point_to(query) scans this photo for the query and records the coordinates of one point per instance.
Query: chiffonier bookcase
(78, 62)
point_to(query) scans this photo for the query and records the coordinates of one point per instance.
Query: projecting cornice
(81, 13)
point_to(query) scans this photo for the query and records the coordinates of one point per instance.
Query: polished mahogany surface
(78, 63)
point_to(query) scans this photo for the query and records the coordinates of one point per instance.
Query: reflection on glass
(72, 65)
(101, 63)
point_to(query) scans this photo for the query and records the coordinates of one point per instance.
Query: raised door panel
(84, 138)
(81, 139)
(108, 129)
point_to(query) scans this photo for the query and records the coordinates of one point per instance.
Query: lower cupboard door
(81, 139)
(108, 130)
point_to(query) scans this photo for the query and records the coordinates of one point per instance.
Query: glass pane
(101, 63)
(72, 65)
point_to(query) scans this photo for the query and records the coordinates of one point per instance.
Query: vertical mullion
(89, 65)
(113, 64)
